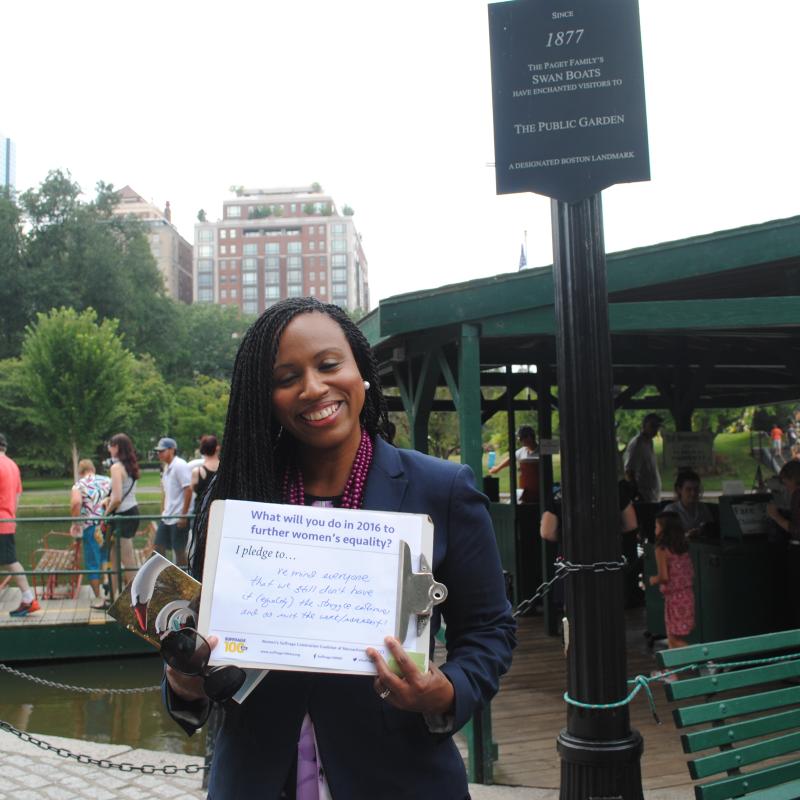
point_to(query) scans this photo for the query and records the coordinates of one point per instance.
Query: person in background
(694, 515)
(776, 435)
(203, 474)
(790, 523)
(640, 459)
(527, 465)
(674, 578)
(10, 490)
(122, 503)
(176, 483)
(307, 425)
(87, 500)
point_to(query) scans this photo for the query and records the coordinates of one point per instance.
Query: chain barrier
(564, 568)
(104, 763)
(68, 688)
(643, 681)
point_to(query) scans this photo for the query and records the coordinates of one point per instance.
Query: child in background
(674, 578)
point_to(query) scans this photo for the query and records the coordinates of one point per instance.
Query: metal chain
(122, 766)
(67, 687)
(564, 568)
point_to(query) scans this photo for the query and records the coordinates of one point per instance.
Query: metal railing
(28, 546)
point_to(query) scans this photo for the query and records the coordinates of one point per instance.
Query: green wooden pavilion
(712, 321)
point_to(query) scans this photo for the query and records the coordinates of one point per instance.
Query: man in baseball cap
(176, 484)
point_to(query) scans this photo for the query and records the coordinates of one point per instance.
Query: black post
(600, 754)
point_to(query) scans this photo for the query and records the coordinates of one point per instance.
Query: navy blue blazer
(369, 749)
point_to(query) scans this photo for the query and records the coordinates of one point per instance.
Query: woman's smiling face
(317, 388)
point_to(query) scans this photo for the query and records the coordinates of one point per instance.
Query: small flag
(523, 262)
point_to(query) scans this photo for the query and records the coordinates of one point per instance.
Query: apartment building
(172, 252)
(277, 243)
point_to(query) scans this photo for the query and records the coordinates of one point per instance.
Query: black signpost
(569, 121)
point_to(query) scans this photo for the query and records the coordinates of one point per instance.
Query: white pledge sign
(305, 587)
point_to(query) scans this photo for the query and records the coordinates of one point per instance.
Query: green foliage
(326, 210)
(78, 255)
(14, 314)
(77, 375)
(28, 444)
(260, 212)
(308, 209)
(206, 341)
(348, 211)
(315, 187)
(201, 215)
(199, 409)
(147, 410)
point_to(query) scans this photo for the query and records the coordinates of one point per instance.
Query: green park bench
(749, 707)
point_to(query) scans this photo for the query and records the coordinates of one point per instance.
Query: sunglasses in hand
(187, 651)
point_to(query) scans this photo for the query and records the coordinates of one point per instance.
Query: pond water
(137, 720)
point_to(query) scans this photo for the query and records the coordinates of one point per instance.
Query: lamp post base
(592, 770)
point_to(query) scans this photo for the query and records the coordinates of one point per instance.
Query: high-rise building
(172, 252)
(276, 243)
(8, 163)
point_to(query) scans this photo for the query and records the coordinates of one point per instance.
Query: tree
(80, 255)
(348, 210)
(147, 409)
(78, 375)
(199, 409)
(201, 215)
(12, 300)
(29, 444)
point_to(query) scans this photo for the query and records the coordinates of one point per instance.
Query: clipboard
(308, 588)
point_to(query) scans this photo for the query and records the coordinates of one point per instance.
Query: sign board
(309, 588)
(687, 449)
(568, 96)
(549, 447)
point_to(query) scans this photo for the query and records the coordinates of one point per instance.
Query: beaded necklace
(353, 494)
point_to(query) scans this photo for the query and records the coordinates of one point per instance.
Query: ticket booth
(739, 588)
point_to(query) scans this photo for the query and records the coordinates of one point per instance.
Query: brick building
(276, 243)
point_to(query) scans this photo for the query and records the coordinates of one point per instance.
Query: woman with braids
(307, 424)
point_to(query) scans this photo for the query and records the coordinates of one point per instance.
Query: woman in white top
(122, 501)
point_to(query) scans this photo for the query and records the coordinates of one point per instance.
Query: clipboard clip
(418, 593)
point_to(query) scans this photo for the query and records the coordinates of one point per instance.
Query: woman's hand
(427, 692)
(186, 687)
(189, 687)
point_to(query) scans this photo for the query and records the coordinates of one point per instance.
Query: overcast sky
(388, 106)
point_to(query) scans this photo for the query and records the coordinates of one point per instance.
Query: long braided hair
(254, 450)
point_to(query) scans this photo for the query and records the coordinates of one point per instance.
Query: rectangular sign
(693, 449)
(549, 447)
(308, 588)
(568, 96)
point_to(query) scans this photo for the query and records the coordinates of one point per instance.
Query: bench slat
(788, 791)
(735, 706)
(730, 648)
(736, 679)
(743, 756)
(739, 731)
(739, 785)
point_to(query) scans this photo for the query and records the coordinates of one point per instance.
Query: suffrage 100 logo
(235, 646)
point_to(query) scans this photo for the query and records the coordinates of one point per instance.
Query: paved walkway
(29, 773)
